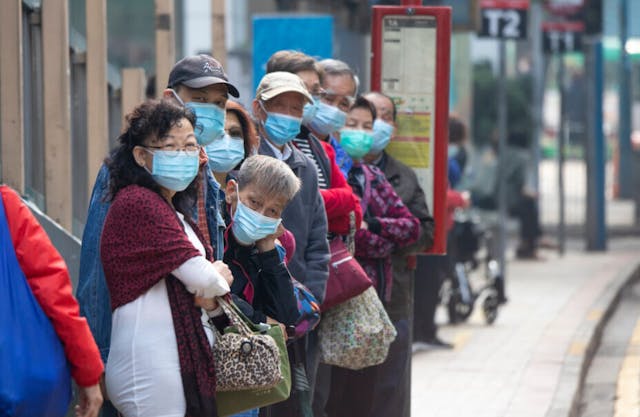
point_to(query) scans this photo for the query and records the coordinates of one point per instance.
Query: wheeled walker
(468, 237)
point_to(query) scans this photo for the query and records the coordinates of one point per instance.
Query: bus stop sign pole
(502, 20)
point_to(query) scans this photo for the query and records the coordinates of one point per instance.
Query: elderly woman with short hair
(255, 199)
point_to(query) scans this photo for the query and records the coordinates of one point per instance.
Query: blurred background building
(40, 89)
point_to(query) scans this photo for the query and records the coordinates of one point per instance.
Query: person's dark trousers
(390, 394)
(528, 216)
(293, 406)
(312, 357)
(322, 390)
(108, 410)
(426, 297)
(351, 392)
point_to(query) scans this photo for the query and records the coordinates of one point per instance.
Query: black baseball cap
(197, 71)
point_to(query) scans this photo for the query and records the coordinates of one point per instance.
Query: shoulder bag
(249, 372)
(35, 378)
(346, 277)
(357, 333)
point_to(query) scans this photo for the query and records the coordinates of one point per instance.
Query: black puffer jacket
(272, 294)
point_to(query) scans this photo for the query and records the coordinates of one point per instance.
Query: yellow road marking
(577, 348)
(461, 338)
(595, 315)
(628, 388)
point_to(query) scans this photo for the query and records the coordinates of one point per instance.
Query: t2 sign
(504, 19)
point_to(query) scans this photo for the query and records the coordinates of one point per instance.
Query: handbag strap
(7, 250)
(234, 317)
(5, 235)
(351, 237)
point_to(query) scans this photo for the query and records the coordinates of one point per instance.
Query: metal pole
(562, 140)
(502, 150)
(596, 159)
(538, 70)
(625, 177)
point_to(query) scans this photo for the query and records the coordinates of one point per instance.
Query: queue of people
(202, 206)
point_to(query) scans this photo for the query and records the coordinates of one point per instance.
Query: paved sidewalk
(517, 367)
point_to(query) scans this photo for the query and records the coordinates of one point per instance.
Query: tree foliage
(485, 107)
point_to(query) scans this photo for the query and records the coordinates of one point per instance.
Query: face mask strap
(144, 166)
(264, 109)
(177, 97)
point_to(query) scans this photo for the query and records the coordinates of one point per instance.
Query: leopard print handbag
(244, 359)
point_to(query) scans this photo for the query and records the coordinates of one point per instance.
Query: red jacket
(454, 201)
(339, 199)
(50, 283)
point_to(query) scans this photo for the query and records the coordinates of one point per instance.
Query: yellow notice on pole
(410, 144)
(408, 77)
(413, 125)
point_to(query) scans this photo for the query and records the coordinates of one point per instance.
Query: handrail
(67, 244)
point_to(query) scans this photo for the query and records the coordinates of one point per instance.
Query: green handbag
(233, 402)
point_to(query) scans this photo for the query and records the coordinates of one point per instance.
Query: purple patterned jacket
(390, 225)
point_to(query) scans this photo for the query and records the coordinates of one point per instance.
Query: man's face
(217, 94)
(339, 91)
(311, 81)
(289, 103)
(384, 107)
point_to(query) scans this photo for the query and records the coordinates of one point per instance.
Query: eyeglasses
(190, 150)
(344, 103)
(317, 92)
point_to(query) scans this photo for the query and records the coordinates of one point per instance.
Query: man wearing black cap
(200, 79)
(200, 83)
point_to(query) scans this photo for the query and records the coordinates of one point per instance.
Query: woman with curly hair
(156, 263)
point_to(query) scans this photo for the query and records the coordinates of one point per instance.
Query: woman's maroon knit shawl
(142, 242)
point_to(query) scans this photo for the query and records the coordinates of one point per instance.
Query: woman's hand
(269, 242)
(89, 401)
(209, 304)
(223, 269)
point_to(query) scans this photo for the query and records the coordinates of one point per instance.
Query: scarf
(142, 241)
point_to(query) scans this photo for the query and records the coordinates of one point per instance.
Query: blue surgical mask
(328, 119)
(174, 170)
(309, 111)
(249, 225)
(281, 128)
(210, 121)
(356, 143)
(452, 151)
(224, 154)
(382, 132)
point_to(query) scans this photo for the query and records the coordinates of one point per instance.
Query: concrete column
(57, 111)
(133, 86)
(11, 103)
(165, 43)
(218, 41)
(97, 92)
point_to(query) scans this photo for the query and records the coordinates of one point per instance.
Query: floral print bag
(356, 333)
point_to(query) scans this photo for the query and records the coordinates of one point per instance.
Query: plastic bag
(34, 374)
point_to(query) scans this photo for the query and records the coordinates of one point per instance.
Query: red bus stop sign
(564, 7)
